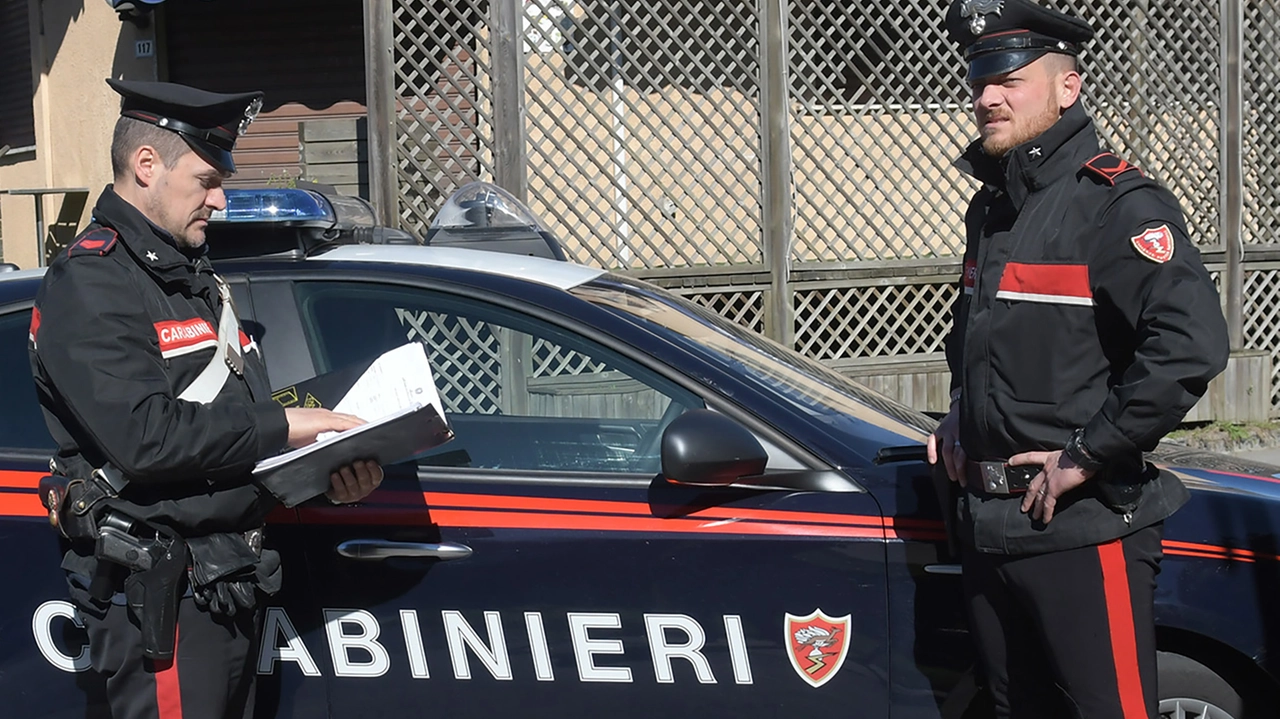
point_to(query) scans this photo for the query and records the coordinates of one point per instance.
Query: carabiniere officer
(1084, 330)
(159, 404)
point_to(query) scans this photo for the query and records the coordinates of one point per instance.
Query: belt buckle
(994, 480)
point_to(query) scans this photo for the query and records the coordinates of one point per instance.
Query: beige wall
(82, 43)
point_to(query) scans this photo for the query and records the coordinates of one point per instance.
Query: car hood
(1216, 472)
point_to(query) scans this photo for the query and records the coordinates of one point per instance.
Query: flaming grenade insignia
(818, 645)
(977, 11)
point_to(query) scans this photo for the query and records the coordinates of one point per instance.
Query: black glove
(225, 573)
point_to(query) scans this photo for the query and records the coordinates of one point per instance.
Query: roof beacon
(276, 205)
(483, 216)
(295, 221)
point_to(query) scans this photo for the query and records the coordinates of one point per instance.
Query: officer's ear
(1068, 84)
(147, 165)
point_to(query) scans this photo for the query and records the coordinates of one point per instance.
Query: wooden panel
(335, 151)
(1242, 393)
(341, 174)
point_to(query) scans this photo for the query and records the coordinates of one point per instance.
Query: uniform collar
(154, 248)
(1037, 163)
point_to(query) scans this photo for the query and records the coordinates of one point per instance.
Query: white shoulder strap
(226, 357)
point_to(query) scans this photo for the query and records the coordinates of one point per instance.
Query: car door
(43, 654)
(41, 649)
(540, 565)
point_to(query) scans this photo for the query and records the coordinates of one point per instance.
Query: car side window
(519, 392)
(21, 423)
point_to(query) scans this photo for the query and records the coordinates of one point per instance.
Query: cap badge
(250, 112)
(977, 11)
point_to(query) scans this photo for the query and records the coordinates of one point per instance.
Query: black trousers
(212, 675)
(1071, 633)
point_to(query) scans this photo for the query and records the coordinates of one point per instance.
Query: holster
(72, 504)
(153, 595)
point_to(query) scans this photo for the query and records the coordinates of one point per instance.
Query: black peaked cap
(210, 122)
(1000, 36)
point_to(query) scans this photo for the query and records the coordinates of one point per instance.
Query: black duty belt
(1000, 478)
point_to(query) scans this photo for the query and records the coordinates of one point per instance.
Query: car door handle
(953, 569)
(378, 549)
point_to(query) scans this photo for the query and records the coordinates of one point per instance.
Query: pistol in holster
(157, 563)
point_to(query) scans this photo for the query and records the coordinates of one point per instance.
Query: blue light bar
(276, 205)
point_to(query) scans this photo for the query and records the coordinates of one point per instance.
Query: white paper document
(396, 384)
(398, 379)
(329, 438)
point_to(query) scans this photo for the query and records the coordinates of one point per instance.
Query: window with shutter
(17, 113)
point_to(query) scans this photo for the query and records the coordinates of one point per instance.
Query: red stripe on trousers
(1124, 643)
(168, 693)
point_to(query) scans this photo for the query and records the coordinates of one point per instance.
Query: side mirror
(707, 449)
(702, 447)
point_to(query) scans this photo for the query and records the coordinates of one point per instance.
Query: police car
(646, 510)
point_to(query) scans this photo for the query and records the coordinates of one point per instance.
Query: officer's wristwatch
(1077, 452)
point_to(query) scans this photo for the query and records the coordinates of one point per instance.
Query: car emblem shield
(1155, 244)
(817, 645)
(977, 11)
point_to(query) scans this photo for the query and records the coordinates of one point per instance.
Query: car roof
(554, 273)
(22, 274)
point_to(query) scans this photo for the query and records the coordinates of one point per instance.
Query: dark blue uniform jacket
(1083, 304)
(122, 324)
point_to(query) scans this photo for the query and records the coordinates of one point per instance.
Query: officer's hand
(354, 482)
(944, 444)
(305, 424)
(1059, 476)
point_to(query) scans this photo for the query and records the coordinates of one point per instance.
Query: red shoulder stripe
(1109, 167)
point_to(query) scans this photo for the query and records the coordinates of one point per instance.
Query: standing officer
(1086, 329)
(159, 405)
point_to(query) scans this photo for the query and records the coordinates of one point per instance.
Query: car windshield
(807, 384)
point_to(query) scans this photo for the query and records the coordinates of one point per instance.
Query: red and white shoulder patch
(1109, 167)
(1155, 244)
(180, 338)
(95, 242)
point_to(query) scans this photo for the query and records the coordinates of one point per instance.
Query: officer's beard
(1021, 129)
(182, 229)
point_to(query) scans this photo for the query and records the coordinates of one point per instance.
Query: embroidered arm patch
(1155, 244)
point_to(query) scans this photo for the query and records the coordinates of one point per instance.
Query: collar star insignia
(152, 256)
(1035, 152)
